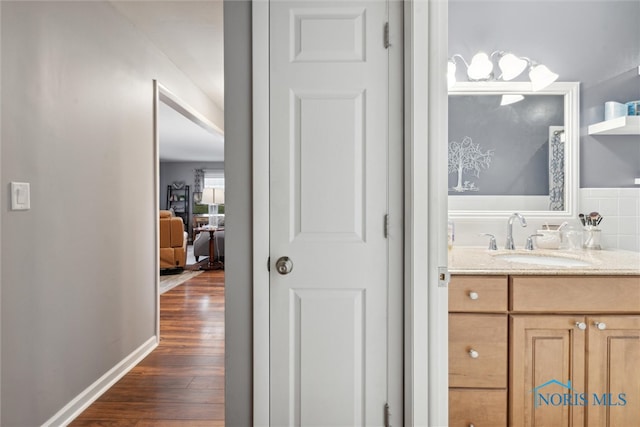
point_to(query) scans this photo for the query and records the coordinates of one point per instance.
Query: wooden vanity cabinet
(581, 332)
(603, 366)
(574, 332)
(478, 352)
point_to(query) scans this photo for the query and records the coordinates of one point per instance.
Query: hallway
(181, 383)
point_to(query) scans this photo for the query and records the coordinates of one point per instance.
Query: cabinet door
(613, 379)
(547, 371)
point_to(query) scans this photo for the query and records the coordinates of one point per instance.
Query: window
(213, 178)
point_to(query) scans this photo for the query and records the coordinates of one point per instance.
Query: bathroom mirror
(513, 150)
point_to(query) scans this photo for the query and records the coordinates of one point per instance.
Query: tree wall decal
(466, 157)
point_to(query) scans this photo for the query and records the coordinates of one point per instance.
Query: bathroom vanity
(554, 343)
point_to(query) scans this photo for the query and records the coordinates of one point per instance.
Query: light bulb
(451, 74)
(511, 66)
(541, 77)
(480, 67)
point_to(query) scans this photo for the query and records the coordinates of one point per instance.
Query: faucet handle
(529, 244)
(493, 246)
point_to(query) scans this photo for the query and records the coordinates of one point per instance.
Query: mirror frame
(571, 93)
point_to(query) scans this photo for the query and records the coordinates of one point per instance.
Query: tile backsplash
(620, 208)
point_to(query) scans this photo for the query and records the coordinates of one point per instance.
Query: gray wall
(182, 171)
(594, 42)
(78, 269)
(238, 193)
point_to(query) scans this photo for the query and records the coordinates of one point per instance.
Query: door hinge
(386, 36)
(387, 415)
(386, 226)
(269, 264)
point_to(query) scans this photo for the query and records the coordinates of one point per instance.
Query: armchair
(173, 241)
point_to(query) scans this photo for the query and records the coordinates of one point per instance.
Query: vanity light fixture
(451, 73)
(511, 66)
(481, 67)
(541, 76)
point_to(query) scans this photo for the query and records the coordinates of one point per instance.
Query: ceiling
(190, 33)
(182, 140)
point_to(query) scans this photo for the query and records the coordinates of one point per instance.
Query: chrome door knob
(600, 325)
(581, 325)
(284, 265)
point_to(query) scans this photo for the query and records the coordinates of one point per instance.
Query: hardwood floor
(181, 383)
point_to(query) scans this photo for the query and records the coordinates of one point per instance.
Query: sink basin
(547, 260)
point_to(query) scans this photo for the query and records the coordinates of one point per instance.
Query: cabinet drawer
(576, 294)
(478, 293)
(480, 408)
(486, 336)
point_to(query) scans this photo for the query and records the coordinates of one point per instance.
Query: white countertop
(473, 260)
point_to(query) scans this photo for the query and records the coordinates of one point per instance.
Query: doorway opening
(191, 189)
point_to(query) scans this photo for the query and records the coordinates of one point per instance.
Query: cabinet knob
(581, 325)
(474, 295)
(473, 354)
(600, 325)
(472, 425)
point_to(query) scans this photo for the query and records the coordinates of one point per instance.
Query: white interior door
(335, 333)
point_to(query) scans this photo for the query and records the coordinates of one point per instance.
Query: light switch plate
(20, 196)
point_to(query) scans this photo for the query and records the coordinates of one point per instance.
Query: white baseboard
(81, 402)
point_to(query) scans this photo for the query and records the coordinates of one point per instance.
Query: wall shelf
(626, 125)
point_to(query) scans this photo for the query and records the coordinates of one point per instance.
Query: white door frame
(426, 331)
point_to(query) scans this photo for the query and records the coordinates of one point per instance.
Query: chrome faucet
(492, 241)
(529, 245)
(523, 222)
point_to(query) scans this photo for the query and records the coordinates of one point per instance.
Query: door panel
(328, 205)
(614, 363)
(330, 354)
(547, 354)
(330, 169)
(326, 34)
